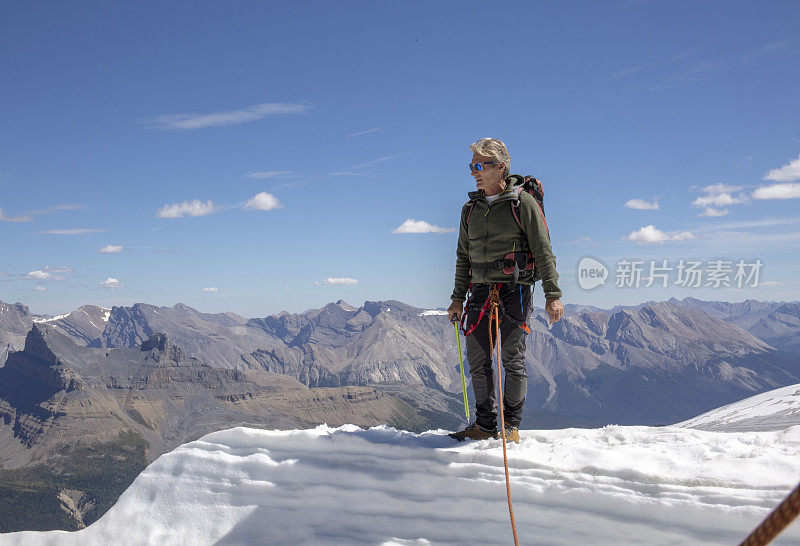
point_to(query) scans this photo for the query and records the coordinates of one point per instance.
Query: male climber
(503, 233)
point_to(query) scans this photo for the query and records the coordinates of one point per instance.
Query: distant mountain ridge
(593, 367)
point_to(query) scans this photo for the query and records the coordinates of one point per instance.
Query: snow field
(614, 485)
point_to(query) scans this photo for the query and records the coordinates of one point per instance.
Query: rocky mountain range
(653, 363)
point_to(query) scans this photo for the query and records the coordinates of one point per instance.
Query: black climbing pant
(516, 305)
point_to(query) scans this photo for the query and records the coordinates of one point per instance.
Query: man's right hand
(455, 310)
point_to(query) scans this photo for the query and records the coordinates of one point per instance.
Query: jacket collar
(513, 187)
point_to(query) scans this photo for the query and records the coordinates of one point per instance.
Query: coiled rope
(776, 521)
(494, 325)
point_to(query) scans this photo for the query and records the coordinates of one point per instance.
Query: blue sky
(252, 156)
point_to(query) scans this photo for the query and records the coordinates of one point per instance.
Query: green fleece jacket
(493, 232)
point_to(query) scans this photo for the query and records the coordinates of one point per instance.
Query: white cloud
(186, 208)
(267, 174)
(44, 274)
(778, 191)
(420, 226)
(683, 236)
(263, 201)
(641, 204)
(211, 289)
(222, 119)
(711, 211)
(40, 288)
(718, 195)
(111, 283)
(25, 218)
(787, 173)
(650, 235)
(111, 249)
(338, 280)
(72, 231)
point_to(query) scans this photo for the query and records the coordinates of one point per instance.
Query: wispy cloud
(186, 208)
(56, 208)
(40, 288)
(650, 235)
(765, 50)
(25, 218)
(182, 122)
(684, 54)
(626, 71)
(59, 269)
(641, 204)
(420, 226)
(267, 174)
(765, 222)
(263, 201)
(375, 161)
(580, 241)
(72, 231)
(337, 280)
(211, 289)
(694, 72)
(769, 284)
(712, 212)
(368, 131)
(348, 173)
(111, 249)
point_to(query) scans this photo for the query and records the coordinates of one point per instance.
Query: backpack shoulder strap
(471, 207)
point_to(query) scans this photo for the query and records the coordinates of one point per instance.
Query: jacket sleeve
(535, 227)
(462, 259)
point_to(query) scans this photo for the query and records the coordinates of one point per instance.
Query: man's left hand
(555, 309)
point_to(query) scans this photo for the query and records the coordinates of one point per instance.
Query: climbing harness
(776, 521)
(494, 343)
(461, 367)
(469, 328)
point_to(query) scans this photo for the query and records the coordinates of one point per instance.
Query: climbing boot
(474, 432)
(512, 434)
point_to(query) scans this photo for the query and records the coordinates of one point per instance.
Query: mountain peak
(36, 343)
(346, 306)
(161, 349)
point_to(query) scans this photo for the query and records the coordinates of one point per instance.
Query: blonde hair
(491, 147)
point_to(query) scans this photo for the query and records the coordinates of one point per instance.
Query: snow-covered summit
(614, 485)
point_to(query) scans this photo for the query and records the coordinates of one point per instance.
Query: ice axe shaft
(461, 367)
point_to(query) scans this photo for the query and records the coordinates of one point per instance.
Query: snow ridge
(614, 485)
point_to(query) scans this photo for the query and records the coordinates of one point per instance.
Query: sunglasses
(479, 166)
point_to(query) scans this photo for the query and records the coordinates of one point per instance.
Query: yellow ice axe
(461, 367)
